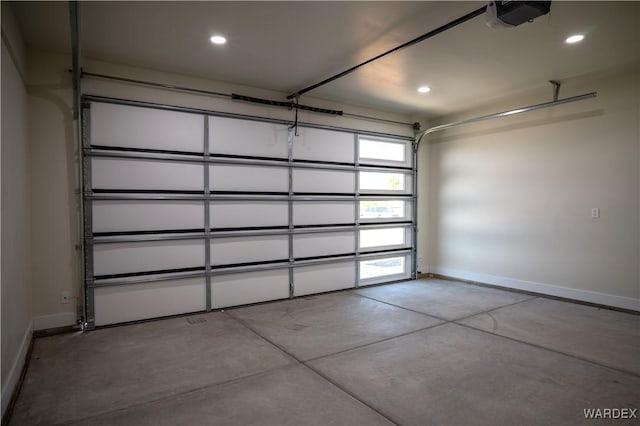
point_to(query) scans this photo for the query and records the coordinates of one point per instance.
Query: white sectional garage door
(190, 211)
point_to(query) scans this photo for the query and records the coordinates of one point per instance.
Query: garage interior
(320, 213)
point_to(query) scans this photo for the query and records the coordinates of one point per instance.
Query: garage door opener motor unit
(507, 14)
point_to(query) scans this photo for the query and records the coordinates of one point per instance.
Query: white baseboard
(46, 322)
(16, 369)
(543, 288)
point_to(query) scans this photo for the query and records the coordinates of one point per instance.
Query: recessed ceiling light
(574, 39)
(218, 39)
(424, 89)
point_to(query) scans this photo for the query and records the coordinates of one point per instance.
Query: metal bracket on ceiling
(295, 106)
(417, 136)
(556, 89)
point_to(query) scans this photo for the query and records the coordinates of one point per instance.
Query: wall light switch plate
(64, 297)
(595, 213)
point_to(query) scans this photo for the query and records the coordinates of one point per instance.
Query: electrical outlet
(595, 213)
(64, 297)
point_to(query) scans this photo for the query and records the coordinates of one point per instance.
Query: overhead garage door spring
(286, 104)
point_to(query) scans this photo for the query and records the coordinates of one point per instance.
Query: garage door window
(380, 150)
(376, 268)
(384, 152)
(382, 181)
(382, 209)
(371, 238)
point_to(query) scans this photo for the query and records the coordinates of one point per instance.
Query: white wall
(15, 281)
(55, 206)
(511, 198)
(56, 218)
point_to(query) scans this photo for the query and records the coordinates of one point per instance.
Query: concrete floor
(414, 353)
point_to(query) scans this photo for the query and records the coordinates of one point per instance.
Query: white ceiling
(286, 46)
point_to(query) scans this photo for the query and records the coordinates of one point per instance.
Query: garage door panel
(322, 278)
(323, 145)
(249, 287)
(325, 244)
(117, 304)
(123, 258)
(150, 213)
(248, 178)
(228, 251)
(135, 174)
(323, 212)
(323, 181)
(247, 137)
(145, 128)
(239, 214)
(131, 216)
